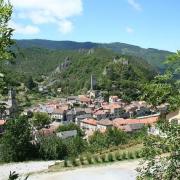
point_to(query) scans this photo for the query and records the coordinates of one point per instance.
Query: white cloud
(135, 5)
(65, 27)
(24, 29)
(58, 12)
(129, 30)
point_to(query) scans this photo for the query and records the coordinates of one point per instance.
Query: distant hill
(152, 56)
(71, 70)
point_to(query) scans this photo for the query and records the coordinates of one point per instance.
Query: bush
(130, 155)
(15, 142)
(82, 160)
(103, 158)
(89, 160)
(137, 154)
(96, 159)
(118, 156)
(74, 162)
(65, 163)
(75, 146)
(124, 155)
(51, 148)
(110, 157)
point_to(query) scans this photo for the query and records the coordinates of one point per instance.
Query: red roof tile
(90, 121)
(148, 120)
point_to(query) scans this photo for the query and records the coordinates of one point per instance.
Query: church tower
(12, 104)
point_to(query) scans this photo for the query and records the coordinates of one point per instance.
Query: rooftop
(149, 120)
(90, 121)
(105, 122)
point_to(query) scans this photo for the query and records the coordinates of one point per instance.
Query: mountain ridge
(153, 56)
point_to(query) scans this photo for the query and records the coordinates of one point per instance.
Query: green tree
(116, 137)
(30, 84)
(5, 32)
(16, 141)
(40, 119)
(75, 146)
(5, 39)
(167, 166)
(51, 147)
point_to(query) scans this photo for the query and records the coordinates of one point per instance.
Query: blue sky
(147, 23)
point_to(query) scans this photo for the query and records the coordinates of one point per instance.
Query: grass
(102, 158)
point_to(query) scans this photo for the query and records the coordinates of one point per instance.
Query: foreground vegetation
(18, 144)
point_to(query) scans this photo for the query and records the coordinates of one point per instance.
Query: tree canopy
(162, 152)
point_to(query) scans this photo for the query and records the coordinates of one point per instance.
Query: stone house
(174, 117)
(89, 124)
(104, 124)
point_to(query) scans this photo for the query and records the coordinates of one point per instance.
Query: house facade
(174, 117)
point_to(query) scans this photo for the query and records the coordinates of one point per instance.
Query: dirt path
(115, 171)
(23, 168)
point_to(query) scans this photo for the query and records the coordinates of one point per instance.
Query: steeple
(12, 105)
(91, 82)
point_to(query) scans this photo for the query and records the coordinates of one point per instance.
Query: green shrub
(89, 160)
(82, 160)
(117, 154)
(130, 155)
(65, 163)
(137, 154)
(74, 162)
(124, 155)
(110, 157)
(103, 158)
(96, 159)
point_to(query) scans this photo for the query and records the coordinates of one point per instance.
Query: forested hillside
(71, 70)
(152, 56)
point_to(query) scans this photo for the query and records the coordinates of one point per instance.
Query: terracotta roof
(99, 112)
(149, 120)
(90, 121)
(2, 122)
(58, 111)
(111, 106)
(83, 98)
(105, 122)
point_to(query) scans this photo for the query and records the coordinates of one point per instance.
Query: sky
(146, 23)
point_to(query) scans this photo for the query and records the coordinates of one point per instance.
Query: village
(91, 113)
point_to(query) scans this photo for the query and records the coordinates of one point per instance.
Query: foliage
(98, 141)
(51, 147)
(153, 56)
(30, 84)
(166, 166)
(89, 159)
(163, 167)
(5, 42)
(116, 137)
(165, 88)
(74, 77)
(75, 146)
(110, 157)
(112, 137)
(5, 31)
(65, 163)
(16, 141)
(13, 175)
(40, 119)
